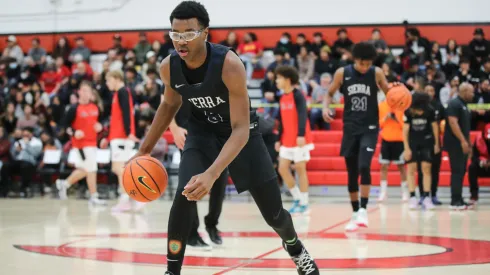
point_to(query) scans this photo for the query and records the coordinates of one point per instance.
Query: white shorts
(296, 154)
(122, 149)
(86, 161)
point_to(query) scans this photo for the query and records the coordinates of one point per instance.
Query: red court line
(279, 248)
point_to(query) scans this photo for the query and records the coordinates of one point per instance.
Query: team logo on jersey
(206, 102)
(419, 124)
(142, 182)
(359, 89)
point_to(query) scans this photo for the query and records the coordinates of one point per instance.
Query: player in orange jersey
(391, 124)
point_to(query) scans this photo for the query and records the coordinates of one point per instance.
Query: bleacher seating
(327, 167)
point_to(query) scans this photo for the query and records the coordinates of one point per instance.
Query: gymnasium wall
(98, 19)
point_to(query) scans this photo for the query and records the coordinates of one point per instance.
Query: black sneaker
(168, 273)
(214, 235)
(305, 264)
(458, 206)
(198, 243)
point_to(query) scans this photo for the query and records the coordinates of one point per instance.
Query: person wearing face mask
(284, 44)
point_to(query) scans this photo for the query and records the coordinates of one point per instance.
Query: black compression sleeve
(123, 97)
(279, 128)
(69, 117)
(300, 102)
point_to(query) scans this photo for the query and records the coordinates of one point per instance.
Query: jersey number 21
(359, 104)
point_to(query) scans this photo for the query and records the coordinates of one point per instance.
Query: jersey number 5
(359, 104)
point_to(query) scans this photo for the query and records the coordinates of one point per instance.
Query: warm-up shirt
(391, 128)
(122, 115)
(293, 119)
(82, 117)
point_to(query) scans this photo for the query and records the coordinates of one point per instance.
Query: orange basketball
(145, 179)
(399, 98)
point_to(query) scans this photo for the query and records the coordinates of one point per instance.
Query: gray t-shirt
(37, 53)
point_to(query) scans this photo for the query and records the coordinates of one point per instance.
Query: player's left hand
(300, 141)
(199, 186)
(277, 146)
(437, 149)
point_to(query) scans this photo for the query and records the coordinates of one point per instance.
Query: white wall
(28, 16)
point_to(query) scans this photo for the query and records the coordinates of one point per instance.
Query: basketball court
(46, 236)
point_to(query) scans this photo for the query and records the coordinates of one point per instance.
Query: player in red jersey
(81, 121)
(122, 137)
(295, 137)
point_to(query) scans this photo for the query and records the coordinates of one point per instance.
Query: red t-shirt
(122, 115)
(63, 72)
(294, 119)
(253, 47)
(50, 79)
(86, 116)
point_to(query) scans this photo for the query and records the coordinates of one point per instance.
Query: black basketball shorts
(421, 153)
(391, 151)
(355, 144)
(252, 166)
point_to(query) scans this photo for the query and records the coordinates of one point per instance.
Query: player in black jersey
(359, 84)
(217, 196)
(222, 132)
(419, 139)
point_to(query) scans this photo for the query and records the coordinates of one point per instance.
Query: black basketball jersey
(360, 100)
(209, 100)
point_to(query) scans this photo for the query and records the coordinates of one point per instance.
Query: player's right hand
(327, 115)
(407, 154)
(138, 154)
(465, 146)
(179, 135)
(79, 134)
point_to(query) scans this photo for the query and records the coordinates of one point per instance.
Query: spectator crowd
(36, 87)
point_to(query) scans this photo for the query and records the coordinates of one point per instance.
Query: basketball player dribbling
(359, 84)
(222, 132)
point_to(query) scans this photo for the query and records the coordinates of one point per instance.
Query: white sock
(124, 197)
(404, 185)
(295, 193)
(94, 195)
(383, 184)
(66, 183)
(304, 198)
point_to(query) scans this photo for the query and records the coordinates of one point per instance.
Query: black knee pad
(365, 172)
